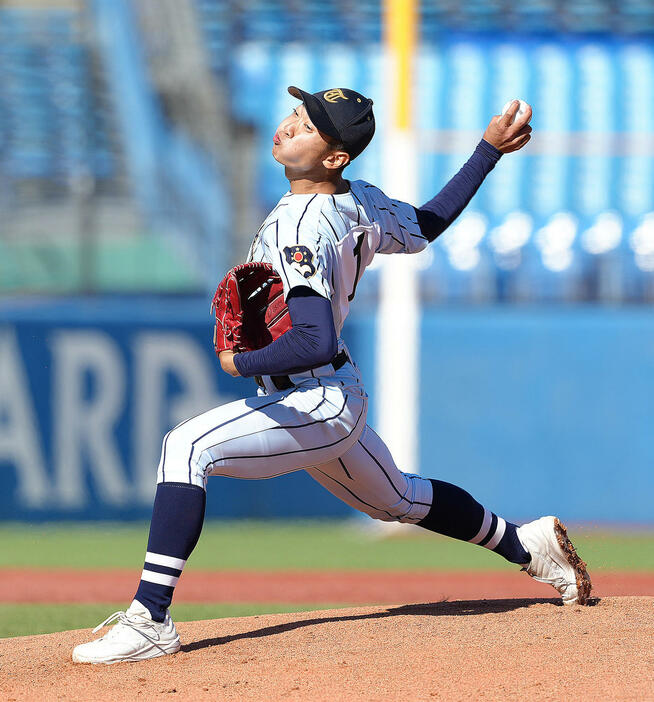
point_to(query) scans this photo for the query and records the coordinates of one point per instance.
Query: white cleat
(134, 638)
(554, 559)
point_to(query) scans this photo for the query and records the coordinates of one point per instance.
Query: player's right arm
(502, 136)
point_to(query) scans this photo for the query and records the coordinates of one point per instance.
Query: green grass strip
(28, 619)
(297, 546)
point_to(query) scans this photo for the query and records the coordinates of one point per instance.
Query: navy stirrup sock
(177, 518)
(454, 512)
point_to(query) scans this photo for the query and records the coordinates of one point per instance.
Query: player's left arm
(502, 136)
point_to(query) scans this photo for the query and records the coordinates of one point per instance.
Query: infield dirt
(510, 649)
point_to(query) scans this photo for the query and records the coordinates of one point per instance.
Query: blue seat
(45, 102)
(467, 270)
(551, 269)
(639, 260)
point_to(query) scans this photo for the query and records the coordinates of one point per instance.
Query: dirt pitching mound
(511, 649)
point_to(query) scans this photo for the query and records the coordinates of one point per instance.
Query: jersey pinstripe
(325, 242)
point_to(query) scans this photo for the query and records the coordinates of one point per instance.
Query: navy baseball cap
(342, 114)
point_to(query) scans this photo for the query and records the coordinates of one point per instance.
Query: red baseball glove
(250, 309)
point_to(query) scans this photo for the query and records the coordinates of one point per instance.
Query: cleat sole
(146, 656)
(584, 585)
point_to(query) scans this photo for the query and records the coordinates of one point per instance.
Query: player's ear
(336, 159)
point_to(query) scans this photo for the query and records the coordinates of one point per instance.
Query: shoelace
(111, 618)
(125, 621)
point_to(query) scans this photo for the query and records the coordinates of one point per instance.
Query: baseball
(522, 109)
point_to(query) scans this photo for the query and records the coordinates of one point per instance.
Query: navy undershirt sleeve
(435, 216)
(311, 342)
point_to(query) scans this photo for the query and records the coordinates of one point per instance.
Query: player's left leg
(256, 438)
(259, 437)
(367, 478)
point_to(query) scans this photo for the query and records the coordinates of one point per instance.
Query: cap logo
(334, 95)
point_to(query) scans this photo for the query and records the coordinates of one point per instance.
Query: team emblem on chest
(300, 258)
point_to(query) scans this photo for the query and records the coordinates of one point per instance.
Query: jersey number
(357, 253)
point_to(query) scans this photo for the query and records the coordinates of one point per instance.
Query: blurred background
(135, 167)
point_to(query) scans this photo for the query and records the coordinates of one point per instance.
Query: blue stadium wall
(533, 410)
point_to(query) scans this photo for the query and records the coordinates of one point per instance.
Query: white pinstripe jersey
(325, 242)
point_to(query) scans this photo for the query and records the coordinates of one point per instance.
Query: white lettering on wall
(20, 438)
(84, 426)
(156, 356)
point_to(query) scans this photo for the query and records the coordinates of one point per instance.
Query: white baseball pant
(319, 426)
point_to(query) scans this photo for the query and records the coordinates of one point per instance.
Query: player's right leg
(367, 478)
(255, 438)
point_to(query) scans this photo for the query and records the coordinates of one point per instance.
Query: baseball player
(310, 410)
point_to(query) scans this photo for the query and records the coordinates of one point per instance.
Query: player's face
(298, 145)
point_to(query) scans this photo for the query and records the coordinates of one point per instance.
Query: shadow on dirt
(434, 609)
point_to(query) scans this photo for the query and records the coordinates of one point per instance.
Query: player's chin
(288, 161)
(277, 156)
